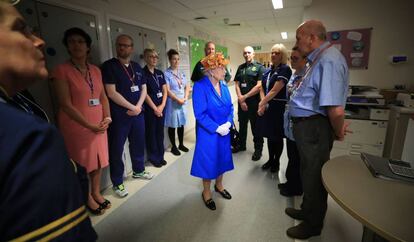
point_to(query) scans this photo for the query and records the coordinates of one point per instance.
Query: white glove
(223, 131)
(227, 125)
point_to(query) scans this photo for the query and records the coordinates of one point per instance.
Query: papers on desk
(379, 167)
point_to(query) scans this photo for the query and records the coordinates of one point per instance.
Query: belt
(299, 119)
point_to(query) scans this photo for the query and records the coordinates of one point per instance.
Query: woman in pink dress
(84, 113)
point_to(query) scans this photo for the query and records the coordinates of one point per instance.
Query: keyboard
(401, 168)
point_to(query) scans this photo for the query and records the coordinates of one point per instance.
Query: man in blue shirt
(126, 90)
(317, 111)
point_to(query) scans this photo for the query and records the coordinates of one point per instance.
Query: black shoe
(105, 205)
(274, 168)
(237, 149)
(295, 213)
(303, 231)
(289, 192)
(175, 151)
(156, 164)
(163, 162)
(267, 165)
(282, 186)
(223, 193)
(257, 155)
(183, 148)
(99, 211)
(209, 203)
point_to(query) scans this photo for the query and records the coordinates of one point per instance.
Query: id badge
(159, 95)
(93, 102)
(134, 88)
(244, 85)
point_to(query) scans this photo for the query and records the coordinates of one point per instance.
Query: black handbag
(235, 137)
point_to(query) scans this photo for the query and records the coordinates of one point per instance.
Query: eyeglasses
(275, 53)
(76, 41)
(123, 45)
(294, 58)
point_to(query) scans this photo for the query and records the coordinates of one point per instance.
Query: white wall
(391, 34)
(149, 17)
(268, 46)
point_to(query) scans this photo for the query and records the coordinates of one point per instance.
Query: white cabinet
(400, 133)
(367, 136)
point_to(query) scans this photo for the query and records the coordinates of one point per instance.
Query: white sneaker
(143, 175)
(120, 190)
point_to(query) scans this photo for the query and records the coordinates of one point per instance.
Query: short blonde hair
(282, 49)
(148, 51)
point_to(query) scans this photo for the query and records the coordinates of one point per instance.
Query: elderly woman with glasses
(213, 111)
(272, 105)
(154, 108)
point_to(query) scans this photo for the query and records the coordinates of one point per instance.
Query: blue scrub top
(154, 84)
(114, 72)
(325, 85)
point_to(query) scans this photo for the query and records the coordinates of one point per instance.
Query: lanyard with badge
(244, 83)
(269, 76)
(134, 87)
(159, 93)
(88, 79)
(296, 84)
(178, 78)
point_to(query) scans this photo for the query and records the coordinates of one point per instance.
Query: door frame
(98, 17)
(110, 17)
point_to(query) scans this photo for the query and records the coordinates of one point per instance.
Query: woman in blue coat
(213, 111)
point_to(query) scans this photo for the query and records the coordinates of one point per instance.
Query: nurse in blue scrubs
(213, 111)
(126, 90)
(154, 109)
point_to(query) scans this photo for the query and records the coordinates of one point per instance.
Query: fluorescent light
(284, 35)
(277, 4)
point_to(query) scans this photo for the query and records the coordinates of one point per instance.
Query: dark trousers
(154, 133)
(294, 182)
(314, 139)
(275, 148)
(118, 132)
(244, 118)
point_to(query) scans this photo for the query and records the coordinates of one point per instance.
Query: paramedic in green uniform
(248, 80)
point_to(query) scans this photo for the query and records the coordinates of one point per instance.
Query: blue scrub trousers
(118, 132)
(154, 127)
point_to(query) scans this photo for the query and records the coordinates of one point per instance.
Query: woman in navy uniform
(40, 195)
(272, 105)
(213, 111)
(154, 108)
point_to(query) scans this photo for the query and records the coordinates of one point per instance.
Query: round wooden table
(385, 207)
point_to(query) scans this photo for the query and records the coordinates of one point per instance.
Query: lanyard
(178, 78)
(131, 78)
(298, 83)
(85, 77)
(156, 79)
(271, 72)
